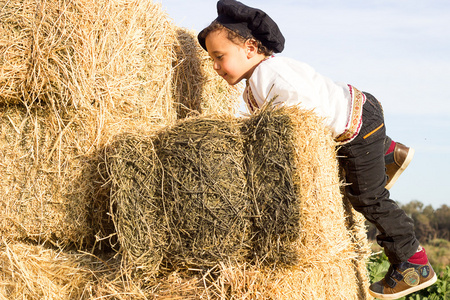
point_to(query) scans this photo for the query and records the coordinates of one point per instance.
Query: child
(241, 41)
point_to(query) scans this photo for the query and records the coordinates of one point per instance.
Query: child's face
(231, 61)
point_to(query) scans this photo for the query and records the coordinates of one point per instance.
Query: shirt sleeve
(293, 83)
(284, 85)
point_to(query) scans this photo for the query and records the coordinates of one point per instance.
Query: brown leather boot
(403, 279)
(396, 162)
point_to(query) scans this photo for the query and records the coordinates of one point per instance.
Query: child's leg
(363, 162)
(364, 165)
(396, 159)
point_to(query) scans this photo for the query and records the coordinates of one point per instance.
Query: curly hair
(236, 37)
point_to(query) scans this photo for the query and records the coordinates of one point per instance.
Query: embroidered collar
(249, 97)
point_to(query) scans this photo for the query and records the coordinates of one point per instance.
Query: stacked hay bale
(180, 197)
(326, 255)
(326, 247)
(274, 190)
(183, 203)
(72, 75)
(87, 55)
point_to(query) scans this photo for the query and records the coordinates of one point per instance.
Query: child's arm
(287, 85)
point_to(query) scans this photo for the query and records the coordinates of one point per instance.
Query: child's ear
(251, 48)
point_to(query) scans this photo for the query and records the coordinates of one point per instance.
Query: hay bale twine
(180, 197)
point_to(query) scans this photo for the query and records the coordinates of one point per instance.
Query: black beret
(247, 22)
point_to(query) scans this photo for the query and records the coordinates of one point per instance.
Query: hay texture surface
(180, 196)
(105, 54)
(74, 74)
(329, 249)
(254, 203)
(326, 249)
(33, 272)
(272, 187)
(197, 88)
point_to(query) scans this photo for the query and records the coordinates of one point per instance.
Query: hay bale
(299, 240)
(204, 190)
(136, 161)
(273, 190)
(330, 247)
(42, 194)
(180, 197)
(328, 251)
(325, 266)
(73, 74)
(33, 272)
(197, 88)
(97, 55)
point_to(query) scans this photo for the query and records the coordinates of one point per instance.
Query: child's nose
(216, 66)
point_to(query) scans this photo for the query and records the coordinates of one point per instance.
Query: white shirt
(295, 83)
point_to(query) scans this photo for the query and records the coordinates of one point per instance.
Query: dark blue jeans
(363, 162)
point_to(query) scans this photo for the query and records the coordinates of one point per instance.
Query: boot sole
(402, 168)
(405, 292)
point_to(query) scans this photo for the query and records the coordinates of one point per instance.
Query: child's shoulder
(282, 64)
(283, 72)
(285, 61)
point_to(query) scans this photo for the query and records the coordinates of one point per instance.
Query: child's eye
(219, 57)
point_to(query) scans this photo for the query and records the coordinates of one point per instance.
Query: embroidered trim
(355, 116)
(250, 98)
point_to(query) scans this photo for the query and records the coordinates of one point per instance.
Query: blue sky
(397, 50)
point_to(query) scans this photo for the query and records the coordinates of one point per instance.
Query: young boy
(241, 41)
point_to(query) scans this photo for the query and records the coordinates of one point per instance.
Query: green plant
(378, 266)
